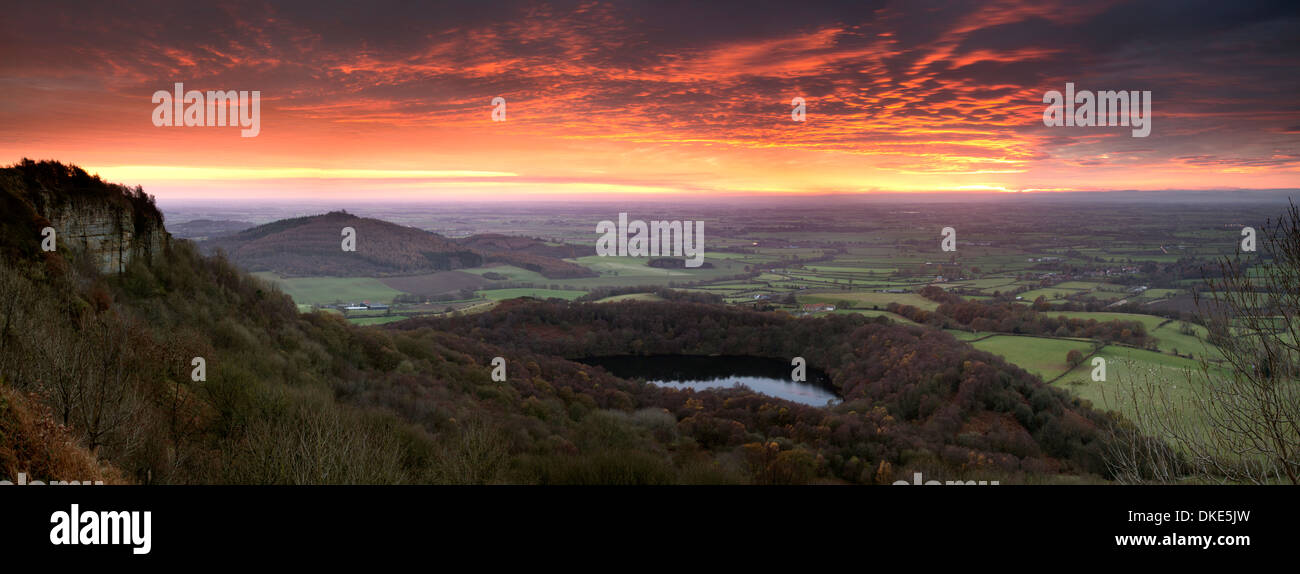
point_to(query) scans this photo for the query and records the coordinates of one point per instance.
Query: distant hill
(200, 229)
(305, 246)
(312, 246)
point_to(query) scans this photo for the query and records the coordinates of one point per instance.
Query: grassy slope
(1041, 356)
(1126, 367)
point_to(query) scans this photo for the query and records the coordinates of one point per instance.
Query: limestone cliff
(106, 233)
(107, 224)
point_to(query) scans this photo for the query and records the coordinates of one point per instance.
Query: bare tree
(17, 298)
(475, 453)
(110, 398)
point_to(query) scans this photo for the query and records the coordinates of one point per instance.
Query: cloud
(900, 95)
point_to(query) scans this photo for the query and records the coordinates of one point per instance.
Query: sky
(376, 102)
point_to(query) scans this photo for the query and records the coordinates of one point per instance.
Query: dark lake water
(761, 375)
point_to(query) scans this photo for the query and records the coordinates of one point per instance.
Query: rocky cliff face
(111, 235)
(107, 224)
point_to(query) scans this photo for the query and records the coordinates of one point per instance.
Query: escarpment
(108, 224)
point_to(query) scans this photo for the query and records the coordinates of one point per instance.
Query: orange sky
(608, 99)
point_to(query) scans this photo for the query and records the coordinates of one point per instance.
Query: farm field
(1126, 367)
(1172, 339)
(511, 272)
(1039, 355)
(633, 272)
(329, 290)
(1050, 293)
(435, 283)
(375, 320)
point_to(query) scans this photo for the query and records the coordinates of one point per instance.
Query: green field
(375, 320)
(1050, 293)
(1126, 367)
(633, 272)
(1172, 339)
(627, 267)
(513, 273)
(329, 290)
(1039, 355)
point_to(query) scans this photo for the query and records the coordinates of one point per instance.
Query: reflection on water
(759, 374)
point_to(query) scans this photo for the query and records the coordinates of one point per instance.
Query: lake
(759, 374)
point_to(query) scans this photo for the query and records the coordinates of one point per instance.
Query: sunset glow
(621, 99)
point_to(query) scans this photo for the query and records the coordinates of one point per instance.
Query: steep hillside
(305, 246)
